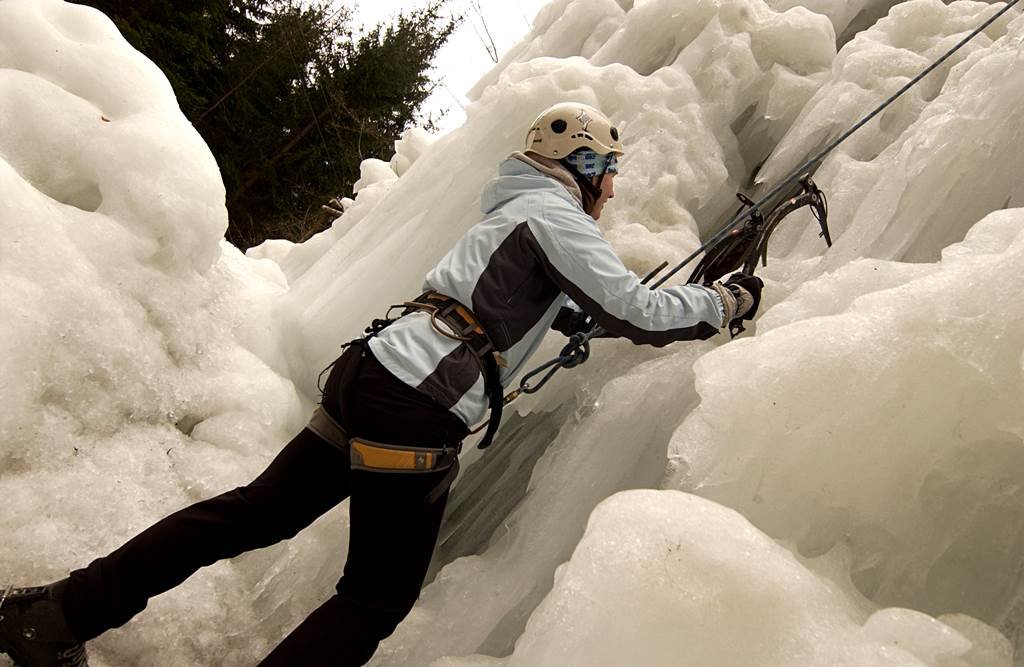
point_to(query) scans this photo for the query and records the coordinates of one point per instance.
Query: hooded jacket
(534, 253)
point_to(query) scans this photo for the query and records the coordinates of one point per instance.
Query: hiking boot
(33, 630)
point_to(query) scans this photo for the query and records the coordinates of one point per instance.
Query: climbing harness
(378, 457)
(578, 349)
(453, 320)
(469, 331)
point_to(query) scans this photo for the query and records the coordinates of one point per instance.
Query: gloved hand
(747, 290)
(740, 294)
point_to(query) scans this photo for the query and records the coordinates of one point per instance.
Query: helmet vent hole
(559, 126)
(615, 133)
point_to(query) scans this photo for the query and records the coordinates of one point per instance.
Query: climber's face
(606, 183)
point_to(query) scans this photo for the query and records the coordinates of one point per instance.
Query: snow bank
(665, 578)
(920, 174)
(914, 453)
(74, 96)
(139, 368)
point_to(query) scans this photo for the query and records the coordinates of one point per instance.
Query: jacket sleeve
(579, 260)
(571, 320)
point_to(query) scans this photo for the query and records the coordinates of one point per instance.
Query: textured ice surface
(920, 174)
(695, 583)
(139, 363)
(914, 453)
(853, 467)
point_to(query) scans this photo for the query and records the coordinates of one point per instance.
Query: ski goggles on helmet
(589, 164)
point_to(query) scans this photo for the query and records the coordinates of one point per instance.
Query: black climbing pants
(393, 529)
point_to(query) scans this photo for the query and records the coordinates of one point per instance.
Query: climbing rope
(578, 349)
(805, 167)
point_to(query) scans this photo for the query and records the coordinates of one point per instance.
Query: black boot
(33, 631)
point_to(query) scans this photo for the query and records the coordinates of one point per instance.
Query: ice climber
(396, 407)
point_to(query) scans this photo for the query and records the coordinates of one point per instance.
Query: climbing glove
(741, 295)
(748, 294)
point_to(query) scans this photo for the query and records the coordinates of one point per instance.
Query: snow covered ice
(843, 485)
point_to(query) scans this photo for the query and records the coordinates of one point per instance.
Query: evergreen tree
(289, 96)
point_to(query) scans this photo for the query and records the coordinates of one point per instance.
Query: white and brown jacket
(534, 253)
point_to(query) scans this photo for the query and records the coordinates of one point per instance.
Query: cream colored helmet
(569, 126)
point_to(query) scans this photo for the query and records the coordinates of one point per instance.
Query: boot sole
(10, 594)
(9, 597)
(7, 650)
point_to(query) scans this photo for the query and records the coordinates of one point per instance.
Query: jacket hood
(516, 178)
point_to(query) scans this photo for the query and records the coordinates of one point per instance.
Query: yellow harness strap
(376, 456)
(367, 455)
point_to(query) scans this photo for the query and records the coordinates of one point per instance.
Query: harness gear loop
(412, 306)
(460, 320)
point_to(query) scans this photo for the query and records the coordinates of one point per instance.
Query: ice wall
(908, 184)
(138, 352)
(695, 583)
(729, 58)
(916, 181)
(915, 453)
(852, 465)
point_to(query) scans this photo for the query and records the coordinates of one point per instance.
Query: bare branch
(526, 20)
(489, 46)
(455, 97)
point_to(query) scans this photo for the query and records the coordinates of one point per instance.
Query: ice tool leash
(578, 349)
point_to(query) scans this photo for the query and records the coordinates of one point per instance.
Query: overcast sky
(464, 59)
